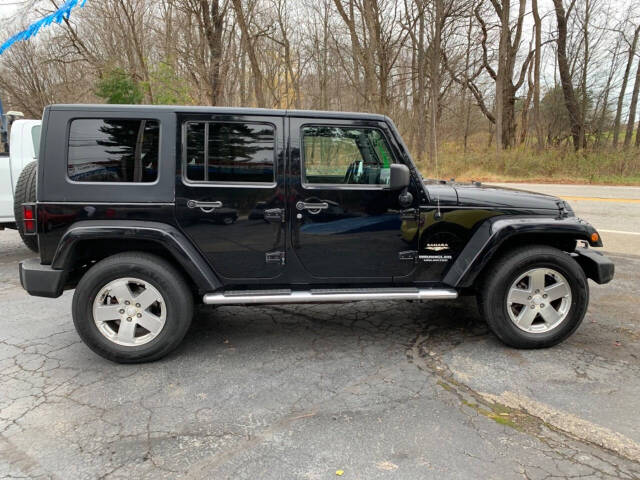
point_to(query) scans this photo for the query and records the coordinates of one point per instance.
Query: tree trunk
(419, 94)
(503, 48)
(251, 53)
(585, 67)
(436, 45)
(506, 86)
(524, 122)
(623, 88)
(213, 26)
(373, 94)
(632, 109)
(324, 69)
(466, 103)
(243, 73)
(536, 75)
(605, 101)
(565, 76)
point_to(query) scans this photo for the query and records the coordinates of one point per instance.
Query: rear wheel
(132, 307)
(25, 192)
(534, 297)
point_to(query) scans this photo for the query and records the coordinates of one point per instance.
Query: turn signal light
(29, 218)
(595, 237)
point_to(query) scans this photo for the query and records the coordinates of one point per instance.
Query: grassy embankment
(525, 164)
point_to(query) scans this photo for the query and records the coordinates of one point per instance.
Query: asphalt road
(376, 390)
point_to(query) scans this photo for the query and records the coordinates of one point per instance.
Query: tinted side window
(345, 156)
(230, 152)
(113, 150)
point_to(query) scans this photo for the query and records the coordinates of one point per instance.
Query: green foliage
(167, 87)
(117, 86)
(555, 115)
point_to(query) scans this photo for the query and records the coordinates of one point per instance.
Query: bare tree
(571, 103)
(450, 72)
(623, 89)
(250, 46)
(506, 86)
(536, 73)
(632, 109)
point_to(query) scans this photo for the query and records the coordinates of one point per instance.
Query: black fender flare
(182, 250)
(494, 232)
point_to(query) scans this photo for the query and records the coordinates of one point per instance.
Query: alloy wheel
(539, 300)
(129, 311)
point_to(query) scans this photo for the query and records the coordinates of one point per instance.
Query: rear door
(229, 193)
(346, 225)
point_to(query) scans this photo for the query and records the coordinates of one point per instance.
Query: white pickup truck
(18, 175)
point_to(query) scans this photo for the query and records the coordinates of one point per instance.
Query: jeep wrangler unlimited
(147, 210)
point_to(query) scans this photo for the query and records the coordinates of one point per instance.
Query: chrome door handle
(206, 207)
(312, 207)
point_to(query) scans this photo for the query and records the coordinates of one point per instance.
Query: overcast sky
(7, 7)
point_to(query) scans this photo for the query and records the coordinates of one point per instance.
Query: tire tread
(25, 192)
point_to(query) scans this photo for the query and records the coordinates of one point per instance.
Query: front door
(230, 195)
(345, 222)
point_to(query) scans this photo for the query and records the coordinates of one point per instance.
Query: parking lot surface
(375, 390)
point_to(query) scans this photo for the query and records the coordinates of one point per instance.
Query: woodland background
(542, 90)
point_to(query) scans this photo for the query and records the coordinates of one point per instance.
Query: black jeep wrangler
(146, 211)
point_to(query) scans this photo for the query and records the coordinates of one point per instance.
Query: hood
(478, 195)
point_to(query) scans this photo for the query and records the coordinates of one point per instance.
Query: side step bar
(248, 297)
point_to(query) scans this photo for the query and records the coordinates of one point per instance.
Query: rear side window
(113, 150)
(229, 152)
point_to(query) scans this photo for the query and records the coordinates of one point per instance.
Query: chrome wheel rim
(129, 311)
(539, 300)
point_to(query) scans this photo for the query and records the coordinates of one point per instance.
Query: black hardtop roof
(81, 107)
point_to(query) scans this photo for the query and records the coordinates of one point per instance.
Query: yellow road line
(598, 199)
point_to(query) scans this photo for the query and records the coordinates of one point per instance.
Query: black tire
(177, 296)
(498, 279)
(25, 192)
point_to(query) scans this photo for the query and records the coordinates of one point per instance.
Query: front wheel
(132, 307)
(534, 297)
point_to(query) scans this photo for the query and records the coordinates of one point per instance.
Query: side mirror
(399, 177)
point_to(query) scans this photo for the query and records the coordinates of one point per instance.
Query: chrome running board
(248, 297)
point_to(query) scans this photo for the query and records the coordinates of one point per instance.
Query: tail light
(29, 218)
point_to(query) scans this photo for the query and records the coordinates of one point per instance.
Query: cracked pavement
(379, 390)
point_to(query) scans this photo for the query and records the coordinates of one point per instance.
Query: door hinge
(274, 215)
(408, 255)
(409, 214)
(274, 257)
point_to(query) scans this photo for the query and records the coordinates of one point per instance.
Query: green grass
(560, 165)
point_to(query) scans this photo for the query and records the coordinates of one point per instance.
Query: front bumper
(596, 266)
(41, 280)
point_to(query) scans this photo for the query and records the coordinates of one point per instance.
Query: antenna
(434, 132)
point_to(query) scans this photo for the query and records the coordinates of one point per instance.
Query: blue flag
(56, 17)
